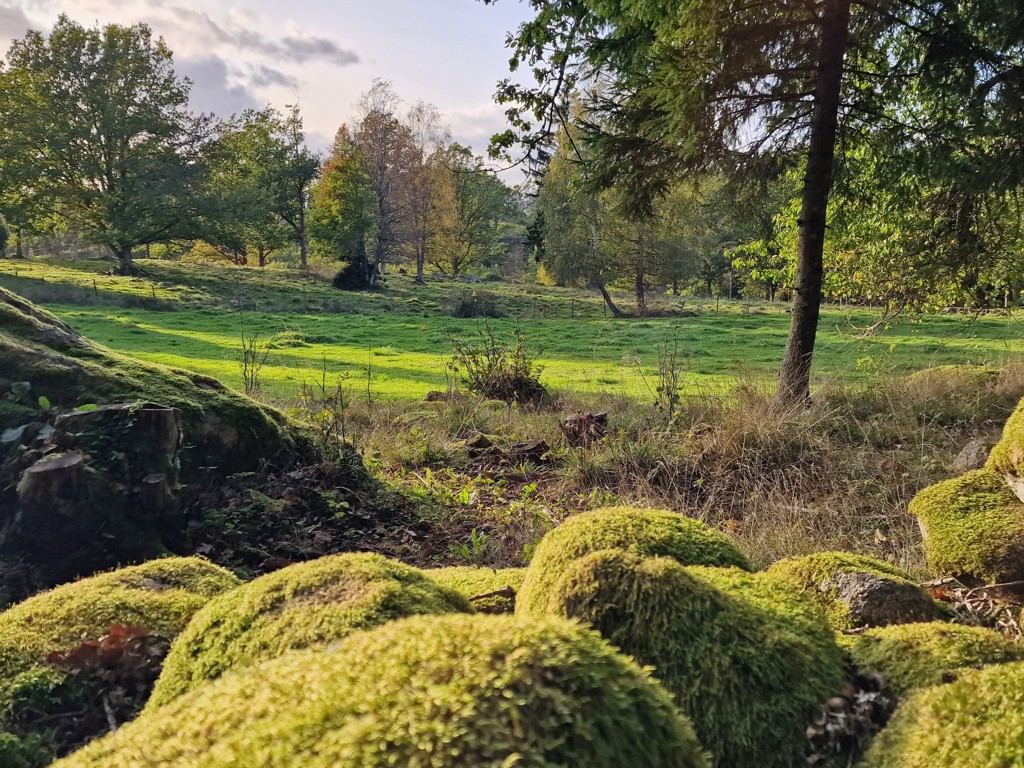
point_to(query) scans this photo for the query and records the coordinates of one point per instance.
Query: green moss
(159, 596)
(14, 414)
(474, 582)
(973, 526)
(912, 656)
(1007, 457)
(967, 377)
(815, 575)
(745, 656)
(299, 606)
(645, 532)
(446, 692)
(976, 722)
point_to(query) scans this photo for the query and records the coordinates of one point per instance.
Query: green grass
(191, 316)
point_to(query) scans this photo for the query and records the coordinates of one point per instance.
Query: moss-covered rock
(857, 591)
(1007, 457)
(441, 691)
(301, 605)
(975, 722)
(746, 656)
(973, 528)
(644, 532)
(489, 590)
(223, 429)
(912, 656)
(36, 695)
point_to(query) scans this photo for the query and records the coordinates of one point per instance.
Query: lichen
(746, 657)
(302, 605)
(973, 526)
(910, 656)
(815, 575)
(977, 721)
(489, 590)
(160, 597)
(645, 532)
(449, 691)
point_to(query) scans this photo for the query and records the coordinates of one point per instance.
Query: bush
(440, 691)
(352, 277)
(820, 576)
(299, 606)
(978, 721)
(913, 656)
(644, 532)
(497, 368)
(476, 304)
(973, 528)
(45, 709)
(745, 656)
(489, 590)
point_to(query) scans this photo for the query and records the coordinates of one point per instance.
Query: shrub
(489, 590)
(46, 710)
(644, 532)
(444, 691)
(978, 721)
(820, 576)
(910, 656)
(299, 606)
(973, 527)
(746, 658)
(476, 304)
(498, 368)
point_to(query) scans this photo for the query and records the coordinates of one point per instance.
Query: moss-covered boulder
(489, 590)
(975, 722)
(913, 656)
(301, 605)
(222, 428)
(973, 528)
(1007, 457)
(746, 656)
(858, 591)
(442, 691)
(644, 532)
(47, 707)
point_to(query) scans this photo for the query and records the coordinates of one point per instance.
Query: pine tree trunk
(616, 312)
(794, 380)
(641, 292)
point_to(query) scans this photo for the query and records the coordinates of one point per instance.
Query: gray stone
(875, 601)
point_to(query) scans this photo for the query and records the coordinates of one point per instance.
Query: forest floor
(838, 475)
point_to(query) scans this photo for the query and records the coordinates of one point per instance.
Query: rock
(478, 444)
(971, 456)
(876, 601)
(534, 451)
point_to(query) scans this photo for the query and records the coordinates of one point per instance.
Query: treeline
(99, 145)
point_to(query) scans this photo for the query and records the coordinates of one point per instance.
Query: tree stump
(53, 485)
(582, 430)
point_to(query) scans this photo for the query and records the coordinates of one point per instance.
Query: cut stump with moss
(918, 655)
(644, 532)
(746, 656)
(857, 591)
(973, 529)
(48, 707)
(299, 606)
(455, 691)
(975, 722)
(487, 589)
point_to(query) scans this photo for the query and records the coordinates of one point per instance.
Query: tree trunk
(303, 238)
(641, 292)
(19, 244)
(419, 266)
(616, 312)
(794, 379)
(125, 265)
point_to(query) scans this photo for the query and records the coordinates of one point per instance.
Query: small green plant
(254, 356)
(668, 390)
(498, 368)
(475, 550)
(324, 409)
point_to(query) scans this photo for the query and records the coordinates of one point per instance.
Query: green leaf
(44, 402)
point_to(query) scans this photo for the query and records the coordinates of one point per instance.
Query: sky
(322, 53)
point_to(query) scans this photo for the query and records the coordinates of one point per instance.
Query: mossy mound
(746, 657)
(224, 429)
(856, 591)
(973, 528)
(976, 722)
(487, 589)
(644, 532)
(38, 698)
(913, 656)
(440, 691)
(1007, 457)
(299, 606)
